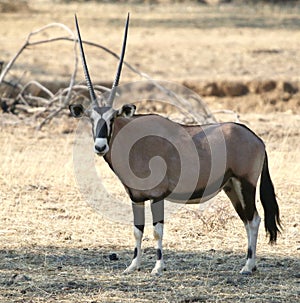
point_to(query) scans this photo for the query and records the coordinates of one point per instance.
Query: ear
(127, 110)
(76, 110)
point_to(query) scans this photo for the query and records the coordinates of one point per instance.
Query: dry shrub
(210, 219)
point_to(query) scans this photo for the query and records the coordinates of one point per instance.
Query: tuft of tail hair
(269, 203)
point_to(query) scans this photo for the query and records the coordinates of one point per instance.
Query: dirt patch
(57, 275)
(20, 6)
(243, 97)
(238, 88)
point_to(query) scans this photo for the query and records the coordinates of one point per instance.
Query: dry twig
(50, 106)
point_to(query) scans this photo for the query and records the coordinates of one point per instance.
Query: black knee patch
(140, 227)
(158, 254)
(135, 253)
(161, 221)
(249, 253)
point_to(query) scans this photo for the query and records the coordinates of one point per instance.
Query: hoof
(129, 270)
(156, 272)
(126, 272)
(247, 272)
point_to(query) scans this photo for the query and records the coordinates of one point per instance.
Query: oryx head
(102, 116)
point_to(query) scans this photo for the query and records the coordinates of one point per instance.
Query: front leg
(157, 209)
(139, 223)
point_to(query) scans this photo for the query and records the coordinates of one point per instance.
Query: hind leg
(252, 227)
(242, 195)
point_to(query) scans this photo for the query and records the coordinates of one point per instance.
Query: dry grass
(54, 247)
(177, 42)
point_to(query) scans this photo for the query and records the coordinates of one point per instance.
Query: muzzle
(101, 146)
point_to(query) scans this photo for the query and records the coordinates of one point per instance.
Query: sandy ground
(177, 42)
(56, 248)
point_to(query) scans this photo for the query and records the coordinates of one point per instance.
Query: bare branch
(39, 85)
(28, 43)
(55, 103)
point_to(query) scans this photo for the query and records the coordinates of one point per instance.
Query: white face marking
(95, 117)
(107, 115)
(101, 146)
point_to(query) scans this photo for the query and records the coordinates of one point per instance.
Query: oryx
(218, 156)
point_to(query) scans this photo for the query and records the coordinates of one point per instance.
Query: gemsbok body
(183, 163)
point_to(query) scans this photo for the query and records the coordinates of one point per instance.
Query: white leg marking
(136, 262)
(238, 189)
(252, 233)
(158, 235)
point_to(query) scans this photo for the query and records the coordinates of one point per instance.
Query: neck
(118, 124)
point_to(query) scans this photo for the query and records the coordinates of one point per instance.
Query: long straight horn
(119, 70)
(85, 68)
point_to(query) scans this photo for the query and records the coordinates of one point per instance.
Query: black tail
(268, 199)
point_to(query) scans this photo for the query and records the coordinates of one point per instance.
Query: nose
(101, 146)
(100, 149)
